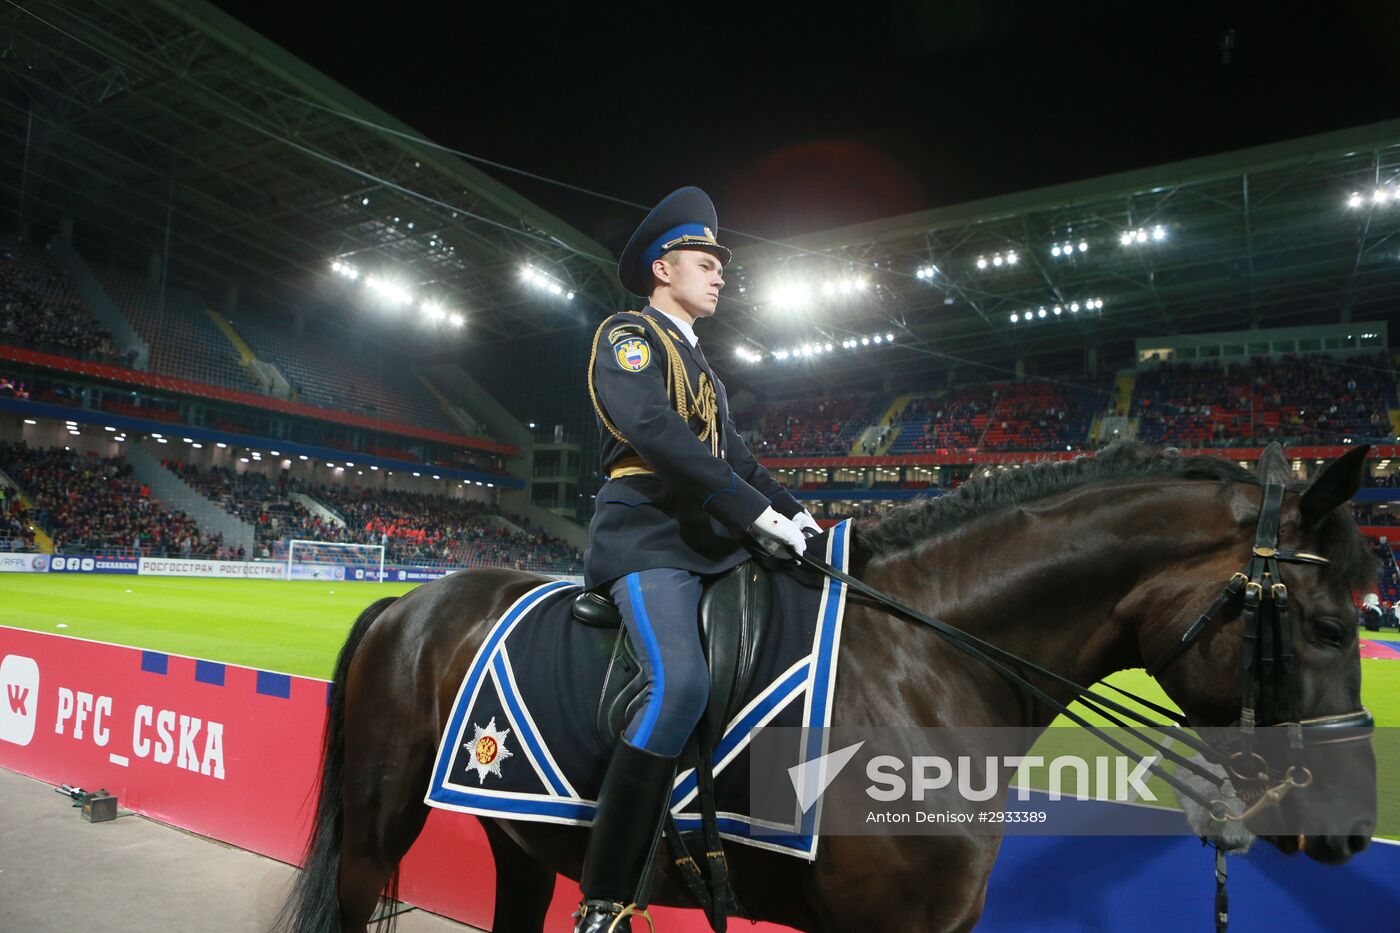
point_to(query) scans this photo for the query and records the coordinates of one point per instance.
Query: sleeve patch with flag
(633, 354)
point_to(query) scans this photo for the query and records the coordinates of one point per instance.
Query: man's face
(694, 280)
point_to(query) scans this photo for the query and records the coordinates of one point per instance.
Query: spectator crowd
(414, 527)
(93, 505)
(38, 309)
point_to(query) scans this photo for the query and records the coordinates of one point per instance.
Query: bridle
(1266, 656)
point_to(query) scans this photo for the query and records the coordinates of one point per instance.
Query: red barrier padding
(225, 751)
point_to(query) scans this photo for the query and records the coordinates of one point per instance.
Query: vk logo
(19, 685)
(18, 696)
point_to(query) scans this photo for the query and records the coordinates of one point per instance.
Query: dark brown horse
(1085, 567)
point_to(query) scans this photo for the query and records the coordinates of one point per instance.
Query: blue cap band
(699, 234)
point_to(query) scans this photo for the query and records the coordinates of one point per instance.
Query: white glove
(776, 531)
(807, 524)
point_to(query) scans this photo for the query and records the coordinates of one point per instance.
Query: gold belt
(630, 466)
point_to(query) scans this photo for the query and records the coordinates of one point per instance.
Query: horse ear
(1273, 466)
(1335, 485)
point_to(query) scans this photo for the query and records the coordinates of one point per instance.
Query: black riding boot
(631, 805)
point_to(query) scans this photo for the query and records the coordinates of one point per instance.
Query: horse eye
(1330, 632)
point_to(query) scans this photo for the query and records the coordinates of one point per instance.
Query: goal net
(326, 560)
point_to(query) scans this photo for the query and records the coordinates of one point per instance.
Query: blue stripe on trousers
(653, 650)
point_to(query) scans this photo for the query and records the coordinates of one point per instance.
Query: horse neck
(1051, 581)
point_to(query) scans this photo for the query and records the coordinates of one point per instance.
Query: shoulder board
(621, 331)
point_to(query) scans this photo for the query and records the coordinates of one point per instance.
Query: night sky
(796, 119)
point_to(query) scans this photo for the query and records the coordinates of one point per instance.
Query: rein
(1268, 649)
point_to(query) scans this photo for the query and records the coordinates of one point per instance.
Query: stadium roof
(166, 123)
(1285, 234)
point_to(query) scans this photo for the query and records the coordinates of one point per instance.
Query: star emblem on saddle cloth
(488, 749)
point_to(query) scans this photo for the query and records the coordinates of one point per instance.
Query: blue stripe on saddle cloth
(522, 741)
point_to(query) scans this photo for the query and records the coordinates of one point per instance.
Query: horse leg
(524, 887)
(381, 823)
(387, 767)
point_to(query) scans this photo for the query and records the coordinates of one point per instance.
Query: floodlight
(996, 260)
(1126, 239)
(1074, 306)
(1159, 233)
(1055, 250)
(981, 263)
(1015, 318)
(1083, 246)
(889, 338)
(865, 341)
(1354, 200)
(1012, 258)
(1042, 312)
(456, 320)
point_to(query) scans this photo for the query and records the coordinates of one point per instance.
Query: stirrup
(631, 910)
(623, 912)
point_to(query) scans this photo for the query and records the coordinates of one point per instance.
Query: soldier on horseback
(682, 491)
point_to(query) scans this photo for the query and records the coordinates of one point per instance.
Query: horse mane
(987, 494)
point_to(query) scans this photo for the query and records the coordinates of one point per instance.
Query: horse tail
(314, 903)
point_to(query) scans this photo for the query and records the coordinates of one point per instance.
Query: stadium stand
(40, 310)
(417, 528)
(423, 527)
(184, 342)
(1314, 399)
(15, 521)
(819, 427)
(334, 376)
(92, 506)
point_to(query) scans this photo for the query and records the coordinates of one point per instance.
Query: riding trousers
(661, 609)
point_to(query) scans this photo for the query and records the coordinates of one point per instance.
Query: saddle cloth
(523, 742)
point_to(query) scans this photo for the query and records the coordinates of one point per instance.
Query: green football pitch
(298, 627)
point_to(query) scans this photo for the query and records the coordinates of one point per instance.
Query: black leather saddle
(734, 612)
(734, 619)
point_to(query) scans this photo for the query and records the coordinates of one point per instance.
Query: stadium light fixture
(197, 446)
(303, 456)
(242, 459)
(221, 445)
(1156, 234)
(109, 428)
(416, 473)
(435, 476)
(75, 432)
(925, 273)
(544, 282)
(1069, 249)
(999, 260)
(161, 440)
(791, 295)
(373, 467)
(345, 269)
(392, 292)
(274, 453)
(30, 421)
